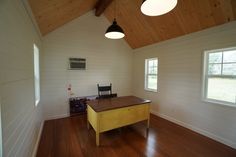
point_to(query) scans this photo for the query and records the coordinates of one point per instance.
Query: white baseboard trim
(57, 116)
(38, 139)
(198, 130)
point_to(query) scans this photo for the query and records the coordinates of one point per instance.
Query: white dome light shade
(114, 31)
(114, 35)
(157, 7)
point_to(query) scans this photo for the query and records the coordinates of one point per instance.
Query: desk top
(100, 105)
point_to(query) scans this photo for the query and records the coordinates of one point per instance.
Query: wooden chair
(105, 91)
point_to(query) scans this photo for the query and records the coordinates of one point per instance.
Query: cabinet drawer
(124, 116)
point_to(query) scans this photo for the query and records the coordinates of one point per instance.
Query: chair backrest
(104, 91)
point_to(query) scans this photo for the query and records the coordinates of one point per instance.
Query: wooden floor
(69, 137)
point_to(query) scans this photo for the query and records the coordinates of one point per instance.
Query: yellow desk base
(115, 118)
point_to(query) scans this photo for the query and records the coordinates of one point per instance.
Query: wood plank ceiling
(51, 14)
(140, 30)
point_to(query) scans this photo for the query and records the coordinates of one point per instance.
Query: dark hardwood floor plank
(46, 142)
(69, 137)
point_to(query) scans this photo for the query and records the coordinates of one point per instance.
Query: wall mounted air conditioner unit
(77, 63)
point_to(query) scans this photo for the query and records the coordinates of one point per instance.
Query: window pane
(151, 66)
(150, 63)
(222, 89)
(36, 75)
(215, 57)
(152, 82)
(155, 70)
(214, 69)
(150, 70)
(229, 69)
(229, 56)
(155, 63)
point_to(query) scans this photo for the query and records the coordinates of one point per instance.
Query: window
(36, 75)
(151, 69)
(220, 76)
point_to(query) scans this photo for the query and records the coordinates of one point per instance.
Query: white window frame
(206, 76)
(147, 74)
(36, 75)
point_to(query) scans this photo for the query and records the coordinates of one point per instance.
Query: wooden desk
(108, 114)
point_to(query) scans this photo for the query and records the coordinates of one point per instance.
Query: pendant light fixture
(114, 31)
(157, 7)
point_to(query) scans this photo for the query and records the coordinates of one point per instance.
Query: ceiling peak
(101, 6)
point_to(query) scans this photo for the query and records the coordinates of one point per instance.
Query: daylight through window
(151, 70)
(36, 75)
(220, 76)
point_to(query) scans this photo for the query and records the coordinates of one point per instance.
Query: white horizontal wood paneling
(107, 61)
(20, 118)
(180, 81)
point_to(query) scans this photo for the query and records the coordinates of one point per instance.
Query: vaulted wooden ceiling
(140, 30)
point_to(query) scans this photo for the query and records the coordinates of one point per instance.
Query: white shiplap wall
(108, 61)
(20, 118)
(180, 79)
(180, 69)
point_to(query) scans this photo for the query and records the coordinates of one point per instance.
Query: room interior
(35, 110)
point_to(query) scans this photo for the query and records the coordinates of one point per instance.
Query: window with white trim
(151, 70)
(220, 76)
(36, 75)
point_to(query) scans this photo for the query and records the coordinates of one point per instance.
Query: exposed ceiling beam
(101, 5)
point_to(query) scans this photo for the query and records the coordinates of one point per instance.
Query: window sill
(151, 90)
(222, 103)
